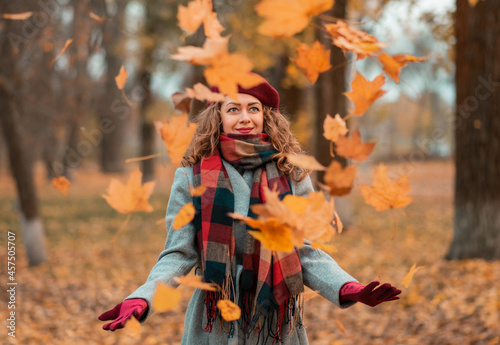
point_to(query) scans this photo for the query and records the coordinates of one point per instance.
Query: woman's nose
(244, 116)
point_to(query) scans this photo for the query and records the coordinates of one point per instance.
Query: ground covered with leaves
(88, 272)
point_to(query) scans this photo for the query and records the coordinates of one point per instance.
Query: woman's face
(244, 116)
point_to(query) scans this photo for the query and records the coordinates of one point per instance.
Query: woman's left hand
(370, 294)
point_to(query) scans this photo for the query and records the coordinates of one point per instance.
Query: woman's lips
(245, 130)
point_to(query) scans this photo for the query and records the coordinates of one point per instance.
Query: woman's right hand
(122, 312)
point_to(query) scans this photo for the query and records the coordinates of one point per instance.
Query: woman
(239, 148)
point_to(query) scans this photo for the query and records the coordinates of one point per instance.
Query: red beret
(264, 92)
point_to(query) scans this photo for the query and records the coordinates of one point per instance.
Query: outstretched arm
(370, 294)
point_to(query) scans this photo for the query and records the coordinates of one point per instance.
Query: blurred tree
(15, 36)
(477, 132)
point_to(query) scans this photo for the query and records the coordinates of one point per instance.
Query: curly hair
(276, 125)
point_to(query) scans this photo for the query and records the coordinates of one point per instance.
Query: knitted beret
(264, 92)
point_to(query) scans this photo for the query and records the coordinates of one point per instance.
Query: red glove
(368, 294)
(122, 312)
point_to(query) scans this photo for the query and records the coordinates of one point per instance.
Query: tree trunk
(477, 132)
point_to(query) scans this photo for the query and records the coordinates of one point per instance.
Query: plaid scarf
(271, 281)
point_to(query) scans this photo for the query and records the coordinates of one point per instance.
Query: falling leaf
(305, 162)
(473, 3)
(333, 127)
(198, 191)
(228, 310)
(364, 93)
(392, 64)
(203, 93)
(352, 147)
(68, 42)
(133, 327)
(176, 134)
(165, 298)
(407, 280)
(338, 179)
(121, 78)
(308, 295)
(96, 17)
(62, 184)
(195, 282)
(192, 16)
(338, 222)
(350, 39)
(181, 101)
(286, 18)
(230, 70)
(325, 247)
(211, 51)
(295, 203)
(17, 16)
(212, 26)
(339, 325)
(274, 235)
(386, 194)
(130, 197)
(313, 60)
(185, 216)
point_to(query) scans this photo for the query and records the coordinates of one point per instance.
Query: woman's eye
(232, 110)
(254, 109)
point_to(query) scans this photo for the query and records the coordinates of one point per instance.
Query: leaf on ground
(211, 51)
(364, 93)
(130, 197)
(285, 18)
(305, 161)
(352, 147)
(229, 311)
(133, 327)
(230, 70)
(194, 281)
(409, 276)
(392, 64)
(313, 60)
(176, 134)
(338, 179)
(190, 17)
(198, 191)
(203, 93)
(385, 193)
(17, 16)
(62, 184)
(333, 127)
(121, 78)
(165, 298)
(184, 217)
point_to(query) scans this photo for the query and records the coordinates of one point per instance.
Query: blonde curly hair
(276, 125)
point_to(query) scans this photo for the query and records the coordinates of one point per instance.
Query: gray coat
(320, 272)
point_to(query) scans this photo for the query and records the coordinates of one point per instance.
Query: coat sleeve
(319, 271)
(180, 254)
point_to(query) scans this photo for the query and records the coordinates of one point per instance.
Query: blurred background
(64, 116)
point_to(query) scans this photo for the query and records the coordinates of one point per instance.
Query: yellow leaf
(17, 16)
(185, 216)
(133, 327)
(212, 49)
(195, 282)
(203, 93)
(386, 194)
(297, 204)
(121, 78)
(313, 60)
(62, 184)
(407, 280)
(229, 311)
(165, 298)
(286, 18)
(130, 197)
(339, 325)
(325, 247)
(305, 162)
(364, 93)
(191, 17)
(333, 127)
(68, 42)
(392, 64)
(338, 179)
(176, 134)
(198, 191)
(274, 235)
(352, 147)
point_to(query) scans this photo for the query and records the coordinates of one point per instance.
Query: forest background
(63, 115)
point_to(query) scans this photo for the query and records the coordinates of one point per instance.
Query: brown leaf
(352, 147)
(305, 161)
(364, 93)
(338, 179)
(121, 78)
(62, 184)
(392, 64)
(313, 60)
(333, 127)
(182, 101)
(176, 134)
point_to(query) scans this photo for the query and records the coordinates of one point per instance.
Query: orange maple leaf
(212, 26)
(176, 134)
(133, 327)
(333, 127)
(286, 18)
(392, 64)
(212, 49)
(181, 101)
(385, 193)
(305, 161)
(165, 298)
(198, 191)
(230, 70)
(228, 310)
(338, 179)
(203, 93)
(62, 184)
(353, 147)
(185, 216)
(130, 197)
(313, 60)
(351, 39)
(121, 78)
(364, 93)
(191, 17)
